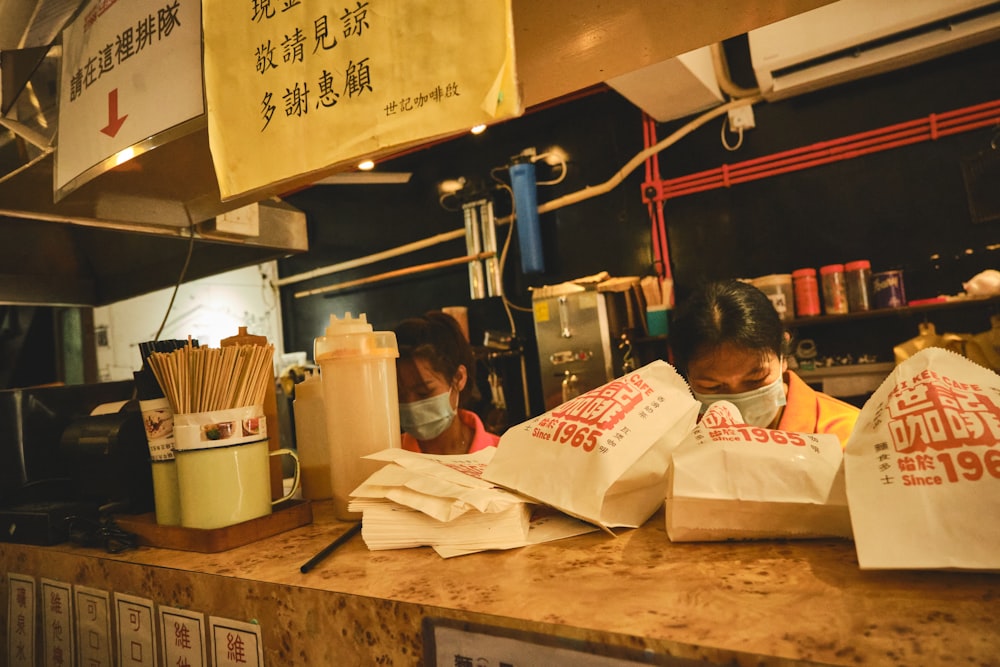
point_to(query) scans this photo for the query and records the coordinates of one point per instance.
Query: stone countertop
(793, 600)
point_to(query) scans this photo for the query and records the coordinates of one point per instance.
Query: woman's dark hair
(728, 311)
(437, 338)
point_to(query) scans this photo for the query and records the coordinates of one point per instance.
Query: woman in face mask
(434, 373)
(729, 343)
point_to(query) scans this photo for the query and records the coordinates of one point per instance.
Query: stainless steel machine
(584, 331)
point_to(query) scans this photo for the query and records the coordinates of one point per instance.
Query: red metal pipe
(863, 143)
(813, 162)
(662, 253)
(658, 229)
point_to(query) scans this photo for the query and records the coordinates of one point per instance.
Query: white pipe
(371, 259)
(724, 78)
(406, 271)
(631, 165)
(566, 200)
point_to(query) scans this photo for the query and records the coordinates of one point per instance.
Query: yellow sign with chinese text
(299, 86)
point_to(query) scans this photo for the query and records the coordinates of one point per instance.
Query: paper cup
(656, 320)
(158, 421)
(223, 471)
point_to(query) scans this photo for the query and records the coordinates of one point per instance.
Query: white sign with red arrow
(115, 121)
(130, 70)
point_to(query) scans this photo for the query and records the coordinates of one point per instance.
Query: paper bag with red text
(923, 467)
(731, 481)
(602, 456)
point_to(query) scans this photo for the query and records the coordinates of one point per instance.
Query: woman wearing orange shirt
(729, 343)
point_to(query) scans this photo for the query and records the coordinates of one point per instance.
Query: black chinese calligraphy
(127, 44)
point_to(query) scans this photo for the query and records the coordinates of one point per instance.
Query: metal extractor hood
(128, 231)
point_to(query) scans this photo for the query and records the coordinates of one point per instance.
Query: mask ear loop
(453, 387)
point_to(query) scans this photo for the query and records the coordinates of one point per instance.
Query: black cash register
(61, 462)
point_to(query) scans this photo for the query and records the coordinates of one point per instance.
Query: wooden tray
(287, 515)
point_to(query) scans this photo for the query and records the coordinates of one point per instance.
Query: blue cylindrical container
(529, 235)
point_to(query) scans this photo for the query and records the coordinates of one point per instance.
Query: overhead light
(451, 186)
(366, 165)
(554, 156)
(478, 129)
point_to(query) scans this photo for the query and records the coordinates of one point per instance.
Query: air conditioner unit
(851, 39)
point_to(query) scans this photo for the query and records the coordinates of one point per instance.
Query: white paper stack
(442, 502)
(388, 525)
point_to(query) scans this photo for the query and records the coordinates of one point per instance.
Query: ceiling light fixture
(478, 129)
(555, 156)
(450, 186)
(366, 165)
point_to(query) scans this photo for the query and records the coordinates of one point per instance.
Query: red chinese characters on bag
(607, 405)
(933, 412)
(601, 456)
(938, 428)
(582, 421)
(922, 467)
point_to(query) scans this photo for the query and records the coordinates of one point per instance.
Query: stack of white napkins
(442, 502)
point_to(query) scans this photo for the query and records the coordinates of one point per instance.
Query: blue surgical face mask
(428, 418)
(759, 406)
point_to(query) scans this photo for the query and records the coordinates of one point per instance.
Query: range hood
(128, 231)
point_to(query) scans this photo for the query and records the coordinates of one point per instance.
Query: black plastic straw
(330, 548)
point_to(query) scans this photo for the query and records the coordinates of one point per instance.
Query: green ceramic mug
(223, 471)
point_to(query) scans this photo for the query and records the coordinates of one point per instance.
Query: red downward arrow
(114, 122)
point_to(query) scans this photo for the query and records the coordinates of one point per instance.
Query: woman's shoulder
(797, 385)
(811, 411)
(481, 438)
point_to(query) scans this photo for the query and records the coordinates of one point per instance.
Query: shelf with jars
(921, 307)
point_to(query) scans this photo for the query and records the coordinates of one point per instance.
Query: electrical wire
(269, 293)
(503, 259)
(725, 143)
(507, 304)
(562, 163)
(180, 279)
(445, 196)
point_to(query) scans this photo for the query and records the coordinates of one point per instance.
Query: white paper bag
(602, 456)
(923, 467)
(731, 481)
(441, 486)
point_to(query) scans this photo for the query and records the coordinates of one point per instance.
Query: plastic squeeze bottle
(311, 440)
(358, 369)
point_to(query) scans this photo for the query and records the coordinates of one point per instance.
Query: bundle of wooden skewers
(657, 291)
(205, 379)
